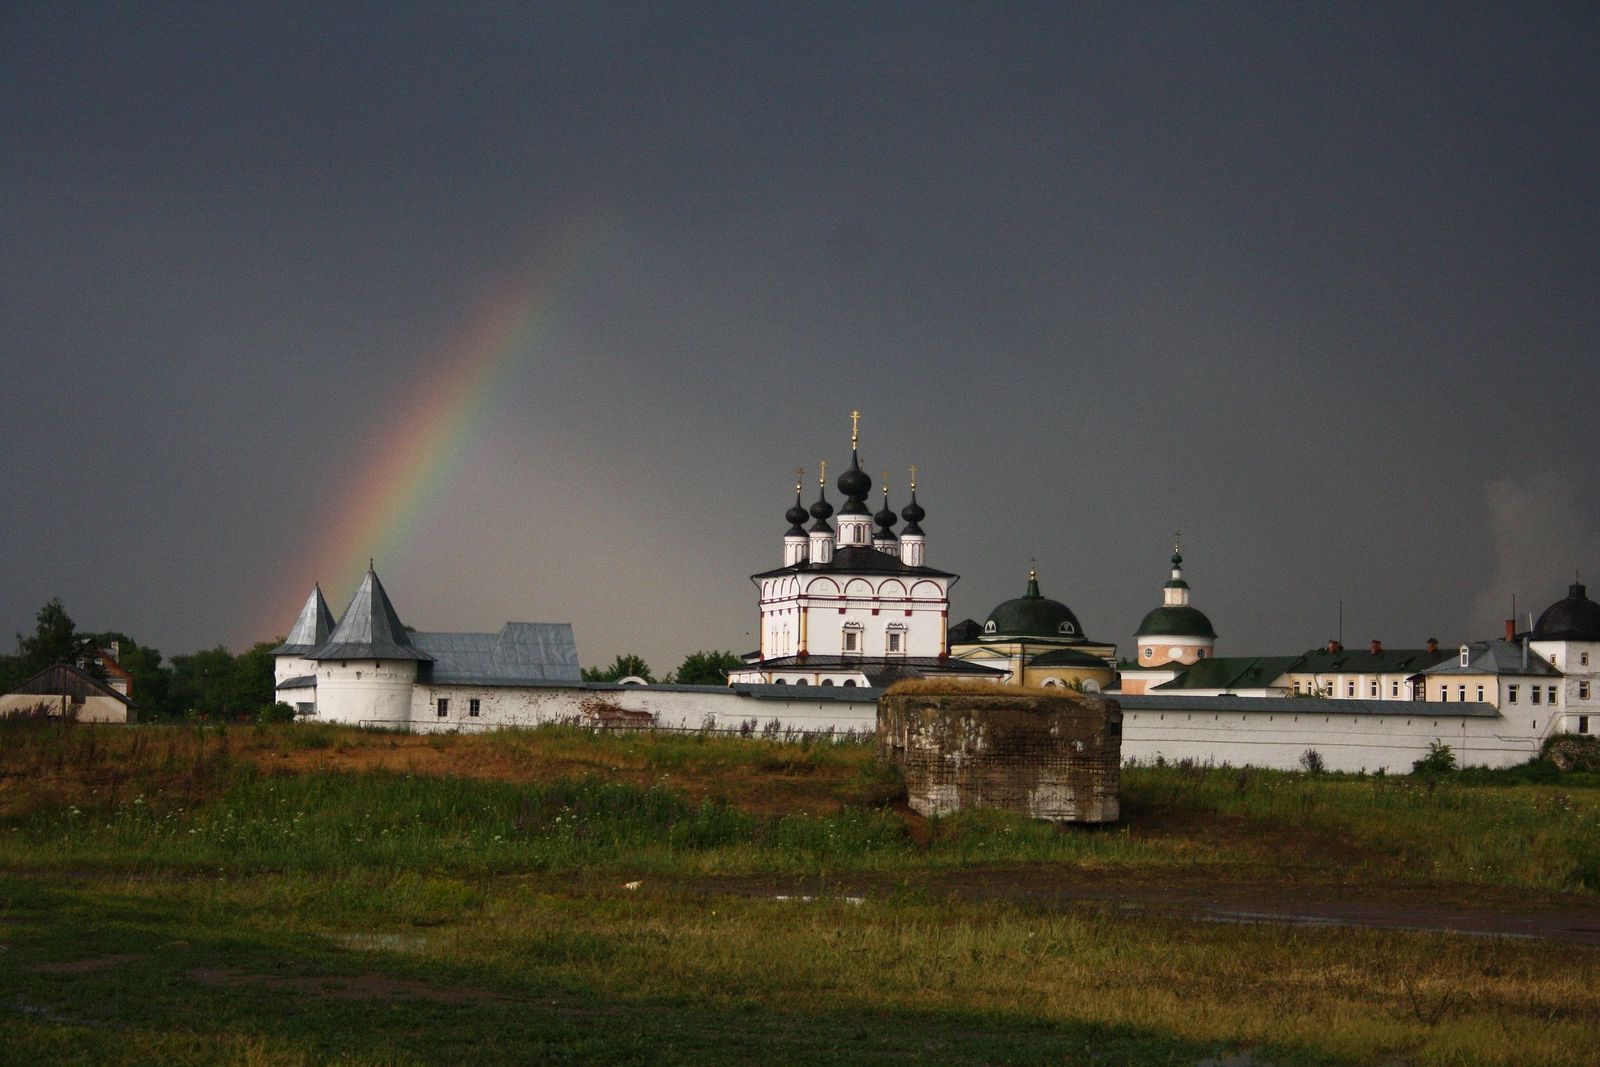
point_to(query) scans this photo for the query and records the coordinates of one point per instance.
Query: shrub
(1311, 762)
(1439, 760)
(279, 712)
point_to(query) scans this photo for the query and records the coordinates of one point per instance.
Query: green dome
(1181, 621)
(1032, 615)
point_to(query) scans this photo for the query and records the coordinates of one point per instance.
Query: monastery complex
(855, 606)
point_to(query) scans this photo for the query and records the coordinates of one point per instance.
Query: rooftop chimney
(1433, 644)
(1511, 629)
(1377, 646)
(1334, 646)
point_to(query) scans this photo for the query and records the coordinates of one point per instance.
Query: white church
(855, 606)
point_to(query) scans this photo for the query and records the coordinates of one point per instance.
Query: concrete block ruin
(1046, 753)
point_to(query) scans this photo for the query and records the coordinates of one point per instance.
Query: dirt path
(1469, 911)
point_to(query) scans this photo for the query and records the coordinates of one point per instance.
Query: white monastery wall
(1345, 741)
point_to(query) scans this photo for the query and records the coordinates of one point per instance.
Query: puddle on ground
(383, 942)
(810, 900)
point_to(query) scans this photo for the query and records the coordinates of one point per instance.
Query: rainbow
(433, 429)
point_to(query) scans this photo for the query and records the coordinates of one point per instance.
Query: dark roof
(1067, 657)
(1576, 618)
(63, 679)
(1496, 657)
(520, 653)
(1176, 621)
(1233, 672)
(964, 632)
(857, 560)
(888, 666)
(1418, 709)
(311, 628)
(1032, 615)
(1366, 661)
(369, 628)
(302, 681)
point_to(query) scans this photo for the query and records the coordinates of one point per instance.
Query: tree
(705, 668)
(621, 667)
(53, 640)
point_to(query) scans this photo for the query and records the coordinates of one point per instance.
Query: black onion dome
(913, 514)
(1577, 618)
(820, 511)
(854, 483)
(796, 515)
(886, 518)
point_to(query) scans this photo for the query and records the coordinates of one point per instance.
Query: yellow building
(1038, 641)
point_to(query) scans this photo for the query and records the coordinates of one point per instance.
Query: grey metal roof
(890, 666)
(301, 681)
(369, 628)
(520, 653)
(1496, 657)
(311, 628)
(1421, 709)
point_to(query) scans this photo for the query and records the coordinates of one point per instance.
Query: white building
(853, 607)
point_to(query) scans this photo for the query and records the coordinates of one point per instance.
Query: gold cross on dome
(886, 486)
(913, 479)
(799, 477)
(822, 474)
(855, 429)
(1177, 535)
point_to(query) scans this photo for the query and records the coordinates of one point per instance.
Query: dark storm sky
(1316, 285)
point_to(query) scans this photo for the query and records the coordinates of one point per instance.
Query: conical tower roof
(311, 628)
(370, 628)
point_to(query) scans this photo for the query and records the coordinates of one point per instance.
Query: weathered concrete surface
(1047, 754)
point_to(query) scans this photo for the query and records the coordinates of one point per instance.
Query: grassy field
(294, 894)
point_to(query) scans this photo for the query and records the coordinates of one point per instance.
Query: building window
(852, 637)
(801, 681)
(472, 707)
(988, 627)
(1461, 693)
(1550, 695)
(444, 706)
(1374, 687)
(850, 683)
(1464, 655)
(1583, 658)
(1444, 693)
(1583, 724)
(1533, 694)
(1200, 653)
(1067, 628)
(1350, 689)
(827, 681)
(1511, 694)
(1480, 694)
(1583, 690)
(1149, 652)
(1394, 689)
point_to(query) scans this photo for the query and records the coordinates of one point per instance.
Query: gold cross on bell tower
(913, 479)
(855, 429)
(799, 477)
(822, 473)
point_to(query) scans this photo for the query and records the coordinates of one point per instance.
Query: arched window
(850, 683)
(827, 681)
(801, 681)
(1067, 628)
(988, 627)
